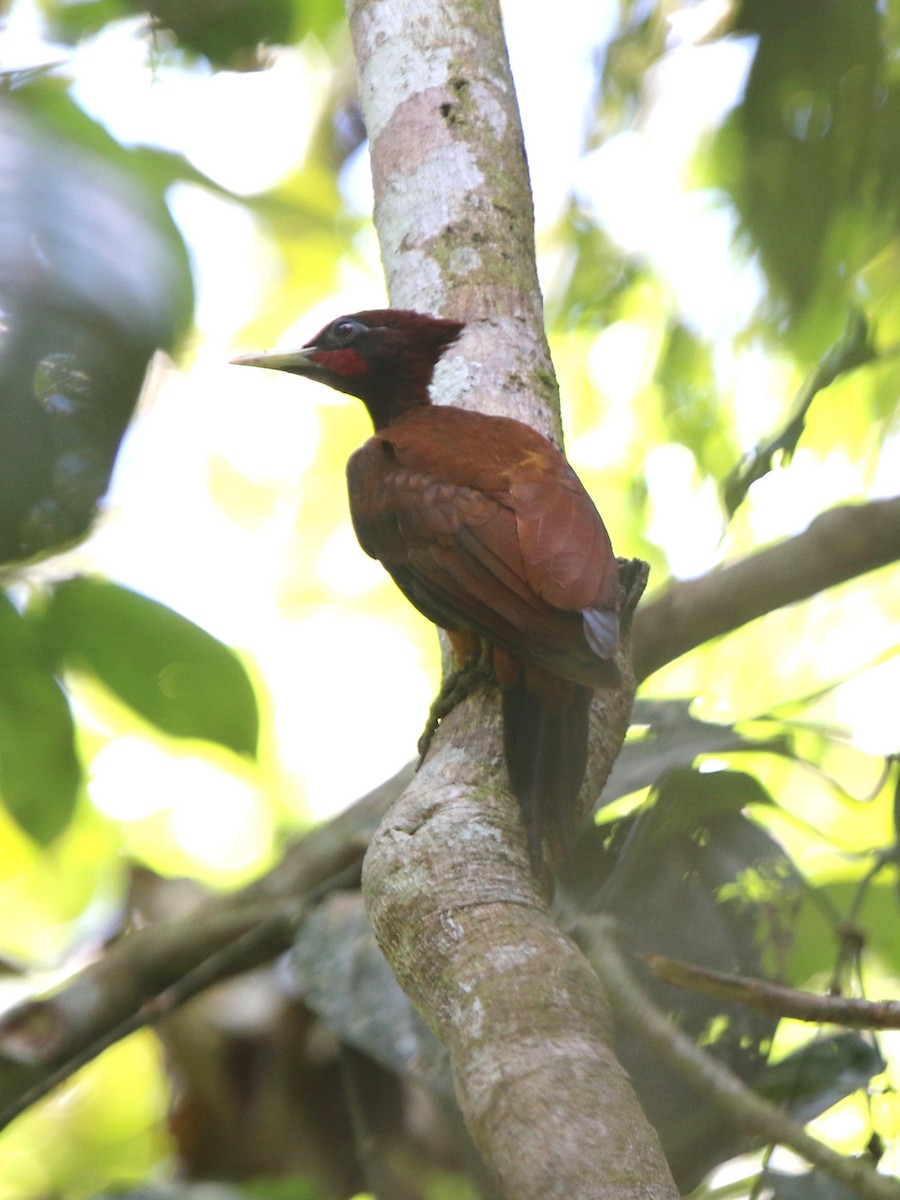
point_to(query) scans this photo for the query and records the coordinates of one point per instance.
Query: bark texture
(453, 205)
(447, 883)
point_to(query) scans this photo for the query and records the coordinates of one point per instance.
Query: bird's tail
(545, 731)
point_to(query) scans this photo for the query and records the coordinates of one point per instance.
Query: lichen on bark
(447, 882)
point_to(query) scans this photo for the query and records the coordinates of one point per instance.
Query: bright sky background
(165, 536)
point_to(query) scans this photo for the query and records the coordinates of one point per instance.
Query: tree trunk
(447, 882)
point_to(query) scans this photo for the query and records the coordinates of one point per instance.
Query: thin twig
(776, 1000)
(854, 349)
(634, 1008)
(269, 937)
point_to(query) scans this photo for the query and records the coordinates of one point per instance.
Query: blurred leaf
(821, 919)
(694, 850)
(895, 758)
(152, 169)
(169, 670)
(292, 1187)
(674, 738)
(102, 223)
(72, 22)
(598, 276)
(820, 1074)
(695, 879)
(638, 44)
(226, 32)
(94, 279)
(802, 153)
(321, 17)
(39, 770)
(692, 405)
(810, 1185)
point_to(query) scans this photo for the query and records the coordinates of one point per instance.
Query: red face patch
(346, 363)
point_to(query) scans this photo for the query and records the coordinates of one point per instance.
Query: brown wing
(504, 544)
(566, 550)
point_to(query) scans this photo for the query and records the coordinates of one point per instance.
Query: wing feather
(513, 558)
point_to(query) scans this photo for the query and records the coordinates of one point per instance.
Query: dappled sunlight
(620, 363)
(863, 705)
(343, 570)
(165, 802)
(566, 47)
(786, 501)
(351, 694)
(761, 383)
(681, 502)
(181, 529)
(208, 222)
(266, 558)
(237, 842)
(639, 186)
(77, 1135)
(188, 106)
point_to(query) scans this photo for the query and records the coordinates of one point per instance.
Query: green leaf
(810, 144)
(821, 918)
(695, 879)
(95, 278)
(821, 1074)
(691, 399)
(39, 771)
(169, 670)
(65, 171)
(811, 1185)
(227, 33)
(673, 738)
(223, 32)
(686, 798)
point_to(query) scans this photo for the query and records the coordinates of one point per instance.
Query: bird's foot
(456, 686)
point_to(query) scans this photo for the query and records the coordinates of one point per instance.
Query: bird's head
(385, 357)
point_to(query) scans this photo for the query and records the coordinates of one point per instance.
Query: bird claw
(456, 686)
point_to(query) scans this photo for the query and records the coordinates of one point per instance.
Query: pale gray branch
(840, 544)
(777, 1000)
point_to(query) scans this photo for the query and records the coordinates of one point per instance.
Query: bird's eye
(343, 330)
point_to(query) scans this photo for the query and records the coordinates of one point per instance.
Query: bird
(487, 530)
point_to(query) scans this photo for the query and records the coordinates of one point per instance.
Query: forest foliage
(203, 677)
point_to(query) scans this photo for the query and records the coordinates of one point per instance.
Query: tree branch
(54, 1030)
(839, 545)
(149, 971)
(776, 1000)
(634, 1008)
(514, 1002)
